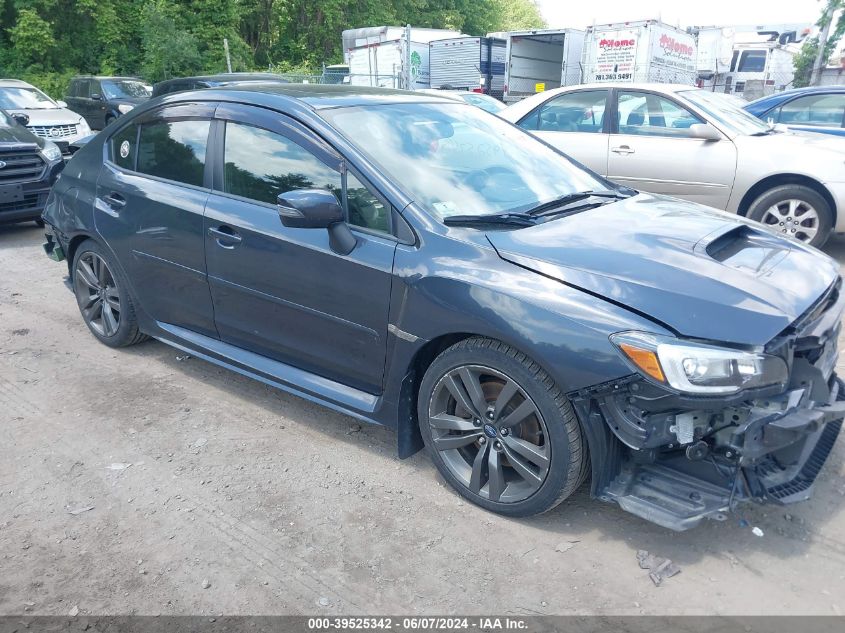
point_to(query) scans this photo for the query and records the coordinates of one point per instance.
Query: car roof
(104, 77)
(316, 96)
(223, 77)
(14, 83)
(621, 85)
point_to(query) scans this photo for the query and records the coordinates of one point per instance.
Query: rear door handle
(622, 149)
(115, 200)
(225, 236)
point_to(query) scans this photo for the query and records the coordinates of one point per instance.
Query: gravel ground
(140, 482)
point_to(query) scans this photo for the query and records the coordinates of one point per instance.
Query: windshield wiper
(512, 219)
(569, 198)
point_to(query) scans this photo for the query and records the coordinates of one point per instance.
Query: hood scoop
(744, 247)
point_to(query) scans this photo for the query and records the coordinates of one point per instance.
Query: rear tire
(797, 211)
(521, 455)
(102, 294)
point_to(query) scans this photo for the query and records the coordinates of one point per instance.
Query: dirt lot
(137, 481)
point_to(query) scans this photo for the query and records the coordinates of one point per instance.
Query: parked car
(480, 100)
(698, 145)
(29, 166)
(817, 109)
(100, 100)
(181, 84)
(47, 118)
(525, 319)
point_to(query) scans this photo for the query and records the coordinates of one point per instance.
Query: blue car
(419, 263)
(817, 109)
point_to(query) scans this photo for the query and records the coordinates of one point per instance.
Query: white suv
(47, 118)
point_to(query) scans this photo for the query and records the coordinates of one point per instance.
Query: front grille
(53, 131)
(805, 478)
(21, 167)
(32, 201)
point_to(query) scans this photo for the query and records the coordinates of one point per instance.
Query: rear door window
(571, 112)
(174, 150)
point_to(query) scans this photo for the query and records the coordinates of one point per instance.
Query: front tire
(796, 211)
(499, 429)
(102, 294)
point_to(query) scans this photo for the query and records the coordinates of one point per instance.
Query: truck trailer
(469, 63)
(541, 60)
(641, 51)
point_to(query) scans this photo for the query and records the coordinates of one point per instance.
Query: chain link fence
(749, 86)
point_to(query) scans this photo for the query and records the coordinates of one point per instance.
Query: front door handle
(115, 200)
(225, 236)
(622, 149)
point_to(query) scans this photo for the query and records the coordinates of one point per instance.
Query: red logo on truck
(611, 43)
(673, 46)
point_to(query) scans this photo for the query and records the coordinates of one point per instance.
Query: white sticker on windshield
(124, 149)
(445, 208)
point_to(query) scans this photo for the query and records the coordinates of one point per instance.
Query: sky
(565, 13)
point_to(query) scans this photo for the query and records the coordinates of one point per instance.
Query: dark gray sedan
(422, 264)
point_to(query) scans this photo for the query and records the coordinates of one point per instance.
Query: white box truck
(541, 60)
(383, 62)
(748, 61)
(469, 63)
(642, 51)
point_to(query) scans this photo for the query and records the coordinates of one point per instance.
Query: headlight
(699, 369)
(123, 108)
(83, 127)
(51, 151)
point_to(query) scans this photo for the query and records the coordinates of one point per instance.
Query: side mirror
(317, 209)
(21, 118)
(705, 131)
(61, 104)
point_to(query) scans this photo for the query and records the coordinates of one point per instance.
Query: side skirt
(298, 382)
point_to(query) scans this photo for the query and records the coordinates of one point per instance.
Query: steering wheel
(497, 184)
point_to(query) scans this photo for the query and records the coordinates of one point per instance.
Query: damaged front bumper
(675, 459)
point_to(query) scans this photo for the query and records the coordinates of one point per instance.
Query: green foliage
(51, 40)
(32, 38)
(803, 62)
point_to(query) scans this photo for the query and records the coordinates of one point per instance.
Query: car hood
(699, 272)
(790, 142)
(133, 101)
(55, 116)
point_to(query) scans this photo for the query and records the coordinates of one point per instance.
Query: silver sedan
(698, 145)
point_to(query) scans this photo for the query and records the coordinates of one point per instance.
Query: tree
(803, 62)
(167, 50)
(32, 39)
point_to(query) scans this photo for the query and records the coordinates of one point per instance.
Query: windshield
(14, 98)
(116, 89)
(459, 160)
(723, 109)
(483, 101)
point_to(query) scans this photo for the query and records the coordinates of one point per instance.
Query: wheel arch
(409, 440)
(777, 180)
(72, 247)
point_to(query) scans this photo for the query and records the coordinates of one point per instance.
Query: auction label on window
(616, 55)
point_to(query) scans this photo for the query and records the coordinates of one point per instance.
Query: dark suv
(100, 100)
(29, 165)
(416, 262)
(181, 84)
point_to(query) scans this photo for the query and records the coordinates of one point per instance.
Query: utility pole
(228, 59)
(823, 35)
